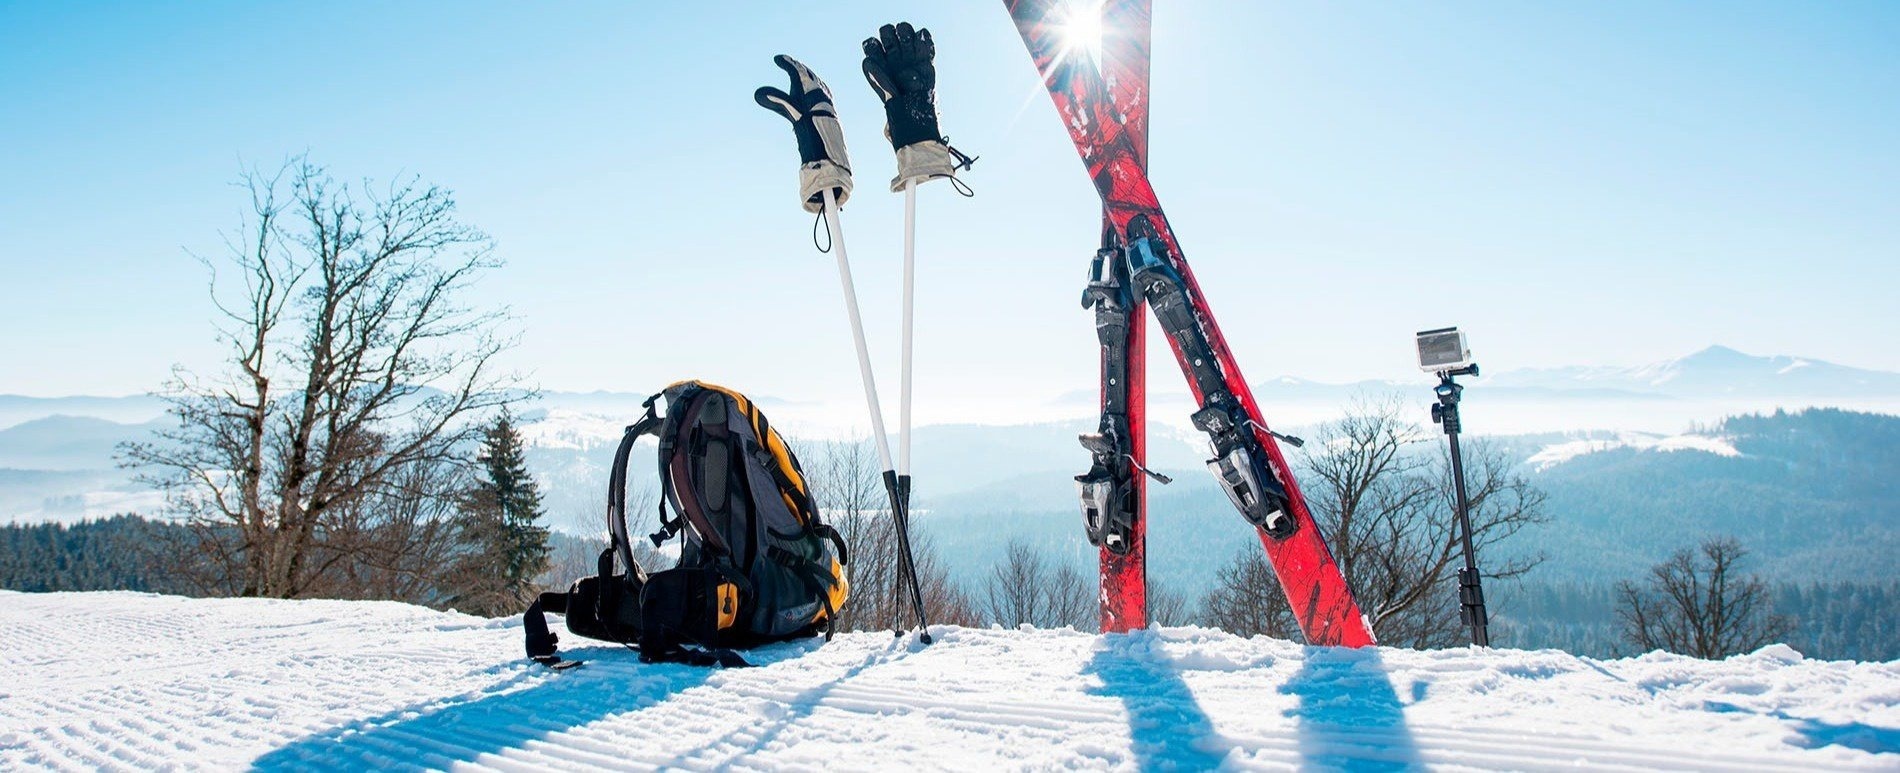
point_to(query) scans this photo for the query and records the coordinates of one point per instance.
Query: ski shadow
(440, 733)
(1811, 733)
(1872, 739)
(1167, 728)
(1349, 714)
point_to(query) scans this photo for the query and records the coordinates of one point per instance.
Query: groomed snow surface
(135, 681)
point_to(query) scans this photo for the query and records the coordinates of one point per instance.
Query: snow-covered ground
(134, 681)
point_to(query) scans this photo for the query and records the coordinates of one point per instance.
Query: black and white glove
(900, 65)
(823, 164)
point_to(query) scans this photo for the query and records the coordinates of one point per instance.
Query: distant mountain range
(63, 448)
(1714, 373)
(132, 409)
(1717, 371)
(65, 443)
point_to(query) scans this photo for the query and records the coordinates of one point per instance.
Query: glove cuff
(819, 176)
(921, 163)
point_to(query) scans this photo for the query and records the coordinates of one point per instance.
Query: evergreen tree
(506, 548)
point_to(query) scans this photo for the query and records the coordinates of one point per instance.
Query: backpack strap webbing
(817, 579)
(693, 656)
(541, 641)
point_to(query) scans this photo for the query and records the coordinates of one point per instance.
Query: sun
(1080, 24)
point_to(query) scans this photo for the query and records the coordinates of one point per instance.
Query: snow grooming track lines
(1115, 159)
(125, 681)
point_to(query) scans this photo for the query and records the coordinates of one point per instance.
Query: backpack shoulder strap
(648, 424)
(541, 641)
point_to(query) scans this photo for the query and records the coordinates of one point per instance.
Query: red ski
(1124, 575)
(1095, 105)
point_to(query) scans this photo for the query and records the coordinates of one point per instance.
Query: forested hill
(117, 553)
(1813, 494)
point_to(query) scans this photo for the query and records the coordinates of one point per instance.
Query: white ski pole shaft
(910, 284)
(857, 328)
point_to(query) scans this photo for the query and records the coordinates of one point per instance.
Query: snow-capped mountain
(1717, 371)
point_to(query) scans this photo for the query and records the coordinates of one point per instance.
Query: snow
(1558, 453)
(1705, 443)
(135, 681)
(576, 430)
(90, 504)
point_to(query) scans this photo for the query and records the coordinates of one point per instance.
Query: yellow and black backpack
(756, 564)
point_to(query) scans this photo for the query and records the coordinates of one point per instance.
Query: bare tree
(846, 484)
(1014, 591)
(396, 541)
(845, 487)
(1246, 599)
(1699, 603)
(354, 374)
(944, 598)
(1166, 606)
(1029, 588)
(1073, 599)
(1390, 512)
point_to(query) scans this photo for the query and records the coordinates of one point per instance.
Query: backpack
(756, 564)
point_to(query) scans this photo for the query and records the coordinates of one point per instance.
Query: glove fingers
(907, 42)
(803, 79)
(791, 68)
(926, 47)
(887, 35)
(778, 102)
(880, 77)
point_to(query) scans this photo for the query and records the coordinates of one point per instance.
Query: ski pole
(907, 571)
(857, 328)
(899, 63)
(903, 403)
(824, 182)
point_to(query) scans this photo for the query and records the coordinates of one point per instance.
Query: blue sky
(1595, 183)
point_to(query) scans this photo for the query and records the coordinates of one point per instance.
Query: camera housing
(1442, 350)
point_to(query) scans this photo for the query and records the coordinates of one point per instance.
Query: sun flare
(1080, 23)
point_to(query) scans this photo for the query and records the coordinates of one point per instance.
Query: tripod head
(1445, 411)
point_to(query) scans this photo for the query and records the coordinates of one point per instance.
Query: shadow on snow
(1166, 725)
(1811, 733)
(1349, 714)
(441, 732)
